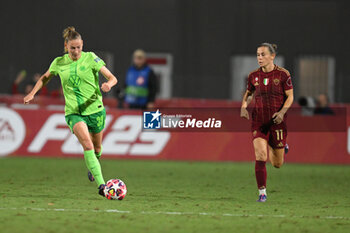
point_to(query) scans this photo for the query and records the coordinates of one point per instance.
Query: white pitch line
(172, 213)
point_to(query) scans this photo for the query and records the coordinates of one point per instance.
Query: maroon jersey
(269, 91)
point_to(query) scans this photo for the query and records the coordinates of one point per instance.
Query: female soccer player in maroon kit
(272, 88)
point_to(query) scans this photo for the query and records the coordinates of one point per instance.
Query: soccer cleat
(286, 148)
(101, 189)
(91, 177)
(262, 198)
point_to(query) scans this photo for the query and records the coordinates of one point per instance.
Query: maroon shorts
(275, 135)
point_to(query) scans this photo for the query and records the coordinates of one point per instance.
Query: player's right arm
(247, 98)
(44, 79)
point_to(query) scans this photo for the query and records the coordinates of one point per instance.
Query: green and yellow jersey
(80, 83)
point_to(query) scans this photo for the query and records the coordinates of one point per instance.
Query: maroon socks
(260, 174)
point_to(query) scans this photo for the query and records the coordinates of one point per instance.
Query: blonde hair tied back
(70, 33)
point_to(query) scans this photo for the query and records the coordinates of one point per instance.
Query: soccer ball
(115, 189)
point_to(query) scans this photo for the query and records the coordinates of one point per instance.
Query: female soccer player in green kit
(84, 110)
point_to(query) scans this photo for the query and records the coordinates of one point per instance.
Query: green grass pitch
(54, 195)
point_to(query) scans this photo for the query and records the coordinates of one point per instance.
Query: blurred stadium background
(201, 52)
(201, 36)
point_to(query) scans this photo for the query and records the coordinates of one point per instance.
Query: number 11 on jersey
(279, 133)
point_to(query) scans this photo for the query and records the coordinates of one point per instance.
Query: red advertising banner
(43, 132)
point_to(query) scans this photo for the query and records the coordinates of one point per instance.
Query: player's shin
(260, 174)
(94, 166)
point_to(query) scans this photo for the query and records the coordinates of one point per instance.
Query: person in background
(28, 88)
(28, 85)
(322, 107)
(15, 85)
(140, 83)
(307, 104)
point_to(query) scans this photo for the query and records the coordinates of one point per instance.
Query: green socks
(94, 166)
(98, 155)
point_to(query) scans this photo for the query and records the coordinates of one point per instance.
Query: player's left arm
(112, 80)
(278, 116)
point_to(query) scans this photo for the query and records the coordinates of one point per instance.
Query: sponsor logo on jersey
(97, 59)
(256, 81)
(280, 144)
(74, 80)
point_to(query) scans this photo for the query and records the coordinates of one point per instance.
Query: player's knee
(87, 144)
(88, 147)
(277, 164)
(260, 155)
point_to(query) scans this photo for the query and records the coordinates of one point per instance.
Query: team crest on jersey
(256, 81)
(266, 81)
(276, 81)
(254, 133)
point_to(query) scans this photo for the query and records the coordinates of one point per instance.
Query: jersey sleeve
(53, 67)
(250, 86)
(97, 62)
(287, 82)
